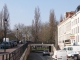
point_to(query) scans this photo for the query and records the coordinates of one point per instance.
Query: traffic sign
(72, 36)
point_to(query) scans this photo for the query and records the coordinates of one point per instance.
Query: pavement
(8, 51)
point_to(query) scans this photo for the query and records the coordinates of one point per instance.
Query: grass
(39, 49)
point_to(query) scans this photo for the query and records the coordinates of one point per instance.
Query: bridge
(22, 52)
(50, 47)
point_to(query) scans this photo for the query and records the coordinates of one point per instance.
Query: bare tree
(33, 31)
(56, 35)
(61, 18)
(1, 20)
(5, 16)
(1, 30)
(19, 30)
(37, 23)
(52, 21)
(44, 33)
(23, 32)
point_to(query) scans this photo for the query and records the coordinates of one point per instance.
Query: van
(7, 39)
(72, 50)
(60, 55)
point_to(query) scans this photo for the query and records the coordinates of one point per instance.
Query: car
(76, 56)
(46, 52)
(14, 42)
(20, 42)
(5, 45)
(72, 51)
(60, 55)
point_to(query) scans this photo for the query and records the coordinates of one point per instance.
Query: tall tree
(61, 18)
(44, 33)
(33, 31)
(52, 21)
(56, 35)
(1, 28)
(19, 30)
(6, 16)
(37, 23)
(1, 18)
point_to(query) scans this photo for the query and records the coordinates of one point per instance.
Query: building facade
(69, 30)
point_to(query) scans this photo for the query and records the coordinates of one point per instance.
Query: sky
(22, 11)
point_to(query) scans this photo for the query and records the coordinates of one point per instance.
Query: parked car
(5, 45)
(14, 42)
(46, 52)
(20, 42)
(72, 51)
(76, 56)
(60, 55)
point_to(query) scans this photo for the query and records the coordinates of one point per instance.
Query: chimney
(69, 14)
(61, 20)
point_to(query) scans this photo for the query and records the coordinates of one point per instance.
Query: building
(69, 29)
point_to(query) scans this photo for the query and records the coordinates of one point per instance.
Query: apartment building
(69, 29)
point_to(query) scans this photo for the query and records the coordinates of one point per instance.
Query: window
(72, 41)
(78, 38)
(70, 48)
(64, 49)
(78, 20)
(67, 40)
(75, 21)
(72, 23)
(72, 31)
(78, 29)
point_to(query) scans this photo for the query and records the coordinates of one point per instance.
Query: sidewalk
(7, 51)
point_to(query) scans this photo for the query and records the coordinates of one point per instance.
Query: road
(39, 56)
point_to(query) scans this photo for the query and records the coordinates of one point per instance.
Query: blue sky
(22, 11)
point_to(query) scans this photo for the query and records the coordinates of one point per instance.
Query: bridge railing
(15, 55)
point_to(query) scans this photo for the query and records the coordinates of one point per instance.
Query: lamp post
(17, 34)
(5, 26)
(24, 38)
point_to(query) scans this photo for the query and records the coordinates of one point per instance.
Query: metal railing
(15, 55)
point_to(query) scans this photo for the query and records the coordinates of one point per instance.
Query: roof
(68, 18)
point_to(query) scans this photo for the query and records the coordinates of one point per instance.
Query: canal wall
(26, 53)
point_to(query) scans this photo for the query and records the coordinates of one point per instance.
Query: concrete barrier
(54, 49)
(25, 54)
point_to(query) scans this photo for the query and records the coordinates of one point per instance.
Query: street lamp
(17, 34)
(5, 26)
(24, 38)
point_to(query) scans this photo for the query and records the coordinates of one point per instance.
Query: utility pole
(5, 26)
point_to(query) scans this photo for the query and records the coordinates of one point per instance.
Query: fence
(15, 55)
